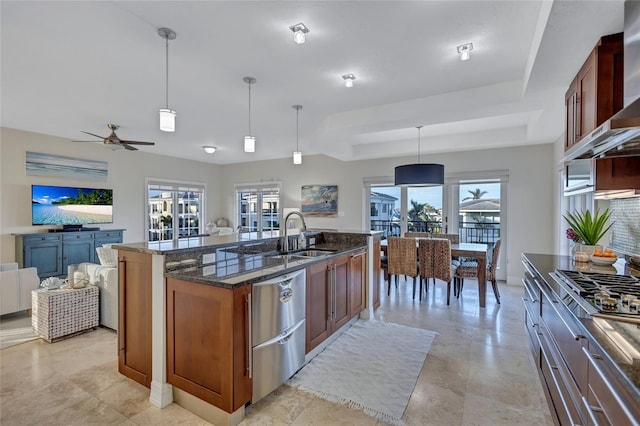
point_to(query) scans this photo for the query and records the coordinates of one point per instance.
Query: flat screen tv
(70, 206)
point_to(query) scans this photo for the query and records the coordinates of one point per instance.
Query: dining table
(477, 251)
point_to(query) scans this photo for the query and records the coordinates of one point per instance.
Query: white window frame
(176, 186)
(259, 187)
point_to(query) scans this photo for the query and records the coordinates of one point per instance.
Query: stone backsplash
(625, 232)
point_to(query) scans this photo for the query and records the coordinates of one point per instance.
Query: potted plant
(589, 228)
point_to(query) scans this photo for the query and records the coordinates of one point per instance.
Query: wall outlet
(312, 241)
(208, 258)
(208, 270)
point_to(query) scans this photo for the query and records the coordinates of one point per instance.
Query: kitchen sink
(303, 254)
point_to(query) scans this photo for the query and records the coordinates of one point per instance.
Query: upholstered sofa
(15, 288)
(106, 279)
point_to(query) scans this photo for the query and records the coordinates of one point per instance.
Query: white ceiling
(74, 66)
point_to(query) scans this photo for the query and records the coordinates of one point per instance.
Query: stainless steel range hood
(620, 135)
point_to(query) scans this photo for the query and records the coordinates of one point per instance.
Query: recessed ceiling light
(209, 149)
(348, 80)
(299, 31)
(465, 51)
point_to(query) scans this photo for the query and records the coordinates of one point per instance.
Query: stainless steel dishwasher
(277, 331)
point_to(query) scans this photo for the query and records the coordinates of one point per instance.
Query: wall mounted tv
(71, 207)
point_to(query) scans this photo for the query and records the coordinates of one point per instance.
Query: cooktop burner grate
(606, 292)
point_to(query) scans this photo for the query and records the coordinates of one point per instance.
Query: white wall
(531, 198)
(127, 171)
(531, 195)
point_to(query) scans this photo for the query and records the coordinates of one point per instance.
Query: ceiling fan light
(297, 157)
(249, 144)
(167, 120)
(209, 149)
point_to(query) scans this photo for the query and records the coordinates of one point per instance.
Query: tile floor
(479, 372)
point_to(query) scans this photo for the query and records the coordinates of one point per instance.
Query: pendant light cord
(297, 131)
(249, 108)
(167, 73)
(418, 127)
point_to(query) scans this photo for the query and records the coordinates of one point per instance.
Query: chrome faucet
(286, 219)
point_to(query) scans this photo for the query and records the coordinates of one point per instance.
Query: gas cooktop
(607, 293)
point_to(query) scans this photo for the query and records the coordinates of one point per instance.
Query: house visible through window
(174, 210)
(258, 207)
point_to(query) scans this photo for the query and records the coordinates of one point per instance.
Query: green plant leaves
(590, 228)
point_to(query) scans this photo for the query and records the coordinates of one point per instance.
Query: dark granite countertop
(252, 268)
(618, 340)
(239, 259)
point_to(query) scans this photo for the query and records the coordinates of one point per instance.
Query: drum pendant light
(167, 115)
(419, 174)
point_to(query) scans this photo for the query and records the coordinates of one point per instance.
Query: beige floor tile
(479, 371)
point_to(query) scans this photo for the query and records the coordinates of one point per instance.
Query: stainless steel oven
(277, 331)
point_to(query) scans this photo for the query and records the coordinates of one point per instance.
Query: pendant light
(297, 155)
(419, 174)
(167, 115)
(249, 141)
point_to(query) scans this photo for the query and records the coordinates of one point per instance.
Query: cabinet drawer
(30, 239)
(607, 401)
(110, 235)
(81, 236)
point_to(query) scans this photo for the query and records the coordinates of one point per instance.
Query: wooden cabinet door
(571, 104)
(341, 289)
(134, 315)
(77, 248)
(317, 305)
(208, 342)
(45, 253)
(357, 274)
(587, 91)
(618, 173)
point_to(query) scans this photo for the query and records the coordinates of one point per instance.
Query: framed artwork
(319, 200)
(39, 164)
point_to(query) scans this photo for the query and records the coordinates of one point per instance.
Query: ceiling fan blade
(138, 143)
(93, 134)
(130, 148)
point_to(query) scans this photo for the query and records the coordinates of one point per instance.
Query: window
(258, 207)
(174, 210)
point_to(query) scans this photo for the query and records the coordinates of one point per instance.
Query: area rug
(15, 329)
(373, 366)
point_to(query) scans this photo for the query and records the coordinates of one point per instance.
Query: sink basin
(303, 254)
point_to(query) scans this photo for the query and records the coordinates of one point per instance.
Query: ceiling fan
(114, 140)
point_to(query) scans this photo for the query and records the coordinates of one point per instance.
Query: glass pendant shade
(422, 174)
(297, 157)
(167, 120)
(249, 144)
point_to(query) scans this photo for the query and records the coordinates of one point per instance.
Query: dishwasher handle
(281, 339)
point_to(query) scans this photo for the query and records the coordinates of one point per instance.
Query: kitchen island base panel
(208, 412)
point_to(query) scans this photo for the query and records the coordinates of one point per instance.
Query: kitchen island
(204, 284)
(589, 364)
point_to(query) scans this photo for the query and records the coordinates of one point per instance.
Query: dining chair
(402, 260)
(469, 269)
(435, 262)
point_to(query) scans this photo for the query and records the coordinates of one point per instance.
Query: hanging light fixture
(167, 115)
(209, 149)
(419, 174)
(465, 51)
(348, 80)
(249, 141)
(297, 155)
(299, 32)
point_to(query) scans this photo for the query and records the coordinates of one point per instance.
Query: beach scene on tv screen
(57, 205)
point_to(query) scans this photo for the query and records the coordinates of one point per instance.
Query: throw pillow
(108, 256)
